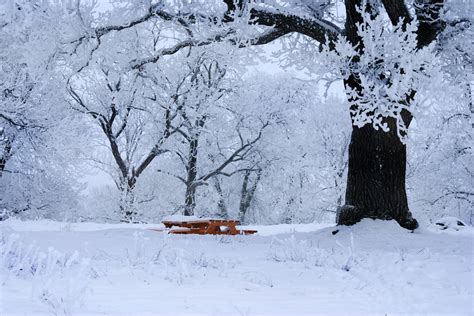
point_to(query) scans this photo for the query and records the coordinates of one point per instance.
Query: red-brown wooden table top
(206, 226)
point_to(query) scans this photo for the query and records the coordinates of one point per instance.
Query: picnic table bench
(206, 226)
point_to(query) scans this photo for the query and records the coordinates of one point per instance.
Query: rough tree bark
(376, 179)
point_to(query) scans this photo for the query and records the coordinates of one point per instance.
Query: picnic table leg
(210, 229)
(233, 230)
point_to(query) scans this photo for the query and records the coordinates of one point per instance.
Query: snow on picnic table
(374, 267)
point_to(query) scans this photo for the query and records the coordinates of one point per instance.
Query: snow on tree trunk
(221, 205)
(128, 207)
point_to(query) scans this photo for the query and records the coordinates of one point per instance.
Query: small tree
(135, 124)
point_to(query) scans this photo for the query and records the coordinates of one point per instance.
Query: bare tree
(124, 122)
(199, 97)
(237, 153)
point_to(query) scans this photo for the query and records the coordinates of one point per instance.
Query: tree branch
(173, 175)
(317, 29)
(237, 155)
(152, 12)
(13, 122)
(282, 24)
(137, 64)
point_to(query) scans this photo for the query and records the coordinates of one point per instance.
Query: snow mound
(368, 226)
(448, 223)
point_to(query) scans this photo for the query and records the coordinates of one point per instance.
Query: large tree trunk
(377, 159)
(376, 178)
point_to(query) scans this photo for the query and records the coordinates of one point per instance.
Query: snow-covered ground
(374, 267)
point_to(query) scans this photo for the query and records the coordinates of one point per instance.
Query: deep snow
(374, 267)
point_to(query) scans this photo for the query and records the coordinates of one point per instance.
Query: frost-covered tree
(386, 53)
(440, 167)
(33, 181)
(258, 187)
(306, 179)
(214, 136)
(382, 62)
(134, 115)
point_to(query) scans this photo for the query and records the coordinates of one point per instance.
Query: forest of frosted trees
(267, 111)
(236, 157)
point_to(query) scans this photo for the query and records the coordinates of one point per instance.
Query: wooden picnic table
(206, 226)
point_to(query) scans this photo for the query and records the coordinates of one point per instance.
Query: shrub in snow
(176, 264)
(137, 255)
(176, 267)
(204, 261)
(259, 278)
(60, 281)
(449, 223)
(349, 259)
(148, 259)
(63, 290)
(224, 239)
(289, 249)
(292, 250)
